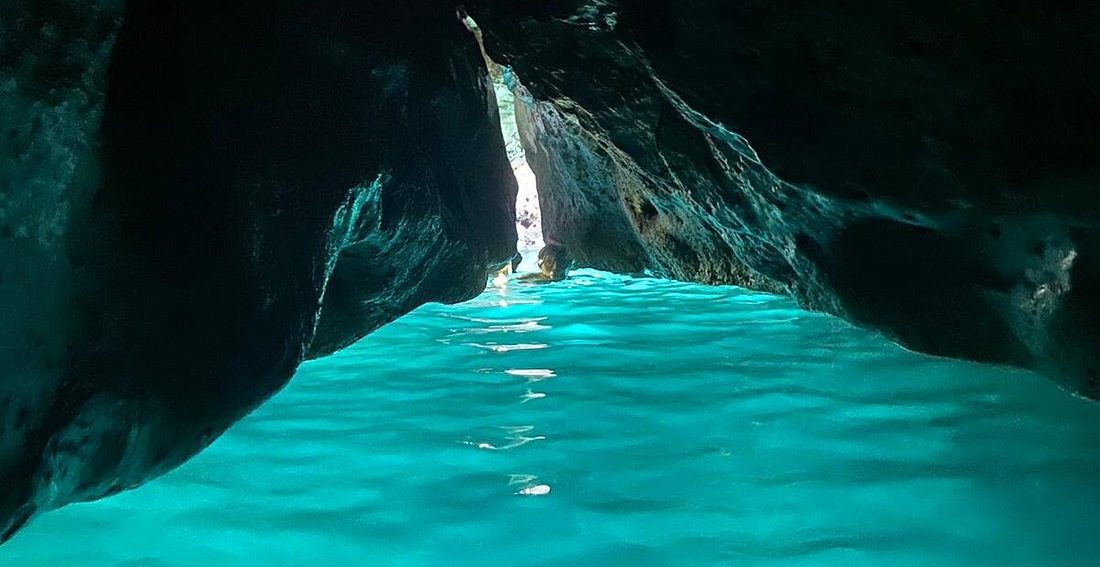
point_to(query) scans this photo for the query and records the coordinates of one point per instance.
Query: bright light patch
(528, 215)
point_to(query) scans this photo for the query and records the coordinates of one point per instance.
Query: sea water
(615, 421)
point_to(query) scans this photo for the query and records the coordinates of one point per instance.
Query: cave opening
(528, 213)
(510, 94)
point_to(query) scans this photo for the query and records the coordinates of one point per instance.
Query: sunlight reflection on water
(617, 421)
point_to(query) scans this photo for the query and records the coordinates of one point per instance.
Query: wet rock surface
(266, 182)
(926, 170)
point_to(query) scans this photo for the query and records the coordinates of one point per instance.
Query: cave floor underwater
(606, 420)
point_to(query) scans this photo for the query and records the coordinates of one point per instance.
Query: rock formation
(241, 187)
(928, 170)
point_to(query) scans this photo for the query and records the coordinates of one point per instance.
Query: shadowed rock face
(929, 170)
(254, 185)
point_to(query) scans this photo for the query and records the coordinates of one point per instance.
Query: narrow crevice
(507, 88)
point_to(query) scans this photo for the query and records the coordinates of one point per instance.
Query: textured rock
(53, 66)
(925, 169)
(261, 183)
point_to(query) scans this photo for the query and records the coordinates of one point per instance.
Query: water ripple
(662, 424)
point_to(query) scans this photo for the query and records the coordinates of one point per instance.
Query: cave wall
(53, 65)
(928, 170)
(196, 197)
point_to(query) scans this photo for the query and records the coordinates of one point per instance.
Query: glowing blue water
(673, 425)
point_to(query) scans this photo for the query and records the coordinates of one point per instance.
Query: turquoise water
(612, 421)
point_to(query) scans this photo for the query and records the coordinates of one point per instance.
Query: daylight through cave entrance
(528, 216)
(508, 91)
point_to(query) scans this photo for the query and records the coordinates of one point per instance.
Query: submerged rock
(928, 170)
(230, 191)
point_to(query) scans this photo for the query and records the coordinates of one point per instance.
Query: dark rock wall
(53, 65)
(926, 169)
(272, 181)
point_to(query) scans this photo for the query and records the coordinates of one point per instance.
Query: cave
(643, 282)
(510, 95)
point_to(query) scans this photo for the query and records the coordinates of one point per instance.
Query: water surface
(617, 421)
